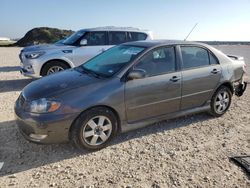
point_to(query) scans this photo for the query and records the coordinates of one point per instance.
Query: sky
(220, 20)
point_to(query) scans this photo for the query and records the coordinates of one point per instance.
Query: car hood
(50, 86)
(46, 47)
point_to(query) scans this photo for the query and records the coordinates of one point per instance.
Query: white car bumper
(29, 67)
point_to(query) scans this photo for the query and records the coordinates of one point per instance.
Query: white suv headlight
(42, 106)
(34, 55)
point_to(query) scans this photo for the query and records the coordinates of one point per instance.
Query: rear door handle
(175, 79)
(215, 71)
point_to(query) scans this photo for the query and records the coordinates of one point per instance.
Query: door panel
(200, 76)
(152, 96)
(198, 85)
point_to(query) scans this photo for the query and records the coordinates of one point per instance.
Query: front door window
(158, 61)
(95, 38)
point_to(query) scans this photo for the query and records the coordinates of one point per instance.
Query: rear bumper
(240, 89)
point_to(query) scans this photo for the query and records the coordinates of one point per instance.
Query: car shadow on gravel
(10, 68)
(163, 126)
(14, 85)
(20, 155)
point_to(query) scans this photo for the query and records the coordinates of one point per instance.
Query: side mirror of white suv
(83, 42)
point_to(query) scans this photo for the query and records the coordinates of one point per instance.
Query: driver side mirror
(136, 74)
(83, 42)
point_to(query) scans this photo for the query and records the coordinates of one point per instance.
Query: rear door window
(193, 57)
(134, 36)
(117, 37)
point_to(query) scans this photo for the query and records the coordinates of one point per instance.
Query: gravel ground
(191, 151)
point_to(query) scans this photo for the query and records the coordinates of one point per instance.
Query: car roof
(113, 28)
(154, 43)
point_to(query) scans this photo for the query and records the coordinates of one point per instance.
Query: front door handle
(175, 79)
(215, 71)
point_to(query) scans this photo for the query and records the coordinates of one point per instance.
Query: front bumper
(28, 73)
(30, 67)
(51, 128)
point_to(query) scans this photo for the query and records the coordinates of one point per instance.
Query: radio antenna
(190, 31)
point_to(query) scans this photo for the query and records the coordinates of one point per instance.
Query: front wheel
(94, 129)
(53, 67)
(221, 101)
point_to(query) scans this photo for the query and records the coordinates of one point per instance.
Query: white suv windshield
(73, 38)
(111, 61)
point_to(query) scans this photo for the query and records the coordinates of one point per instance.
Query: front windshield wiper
(90, 72)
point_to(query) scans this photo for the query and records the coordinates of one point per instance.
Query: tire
(53, 67)
(99, 124)
(221, 101)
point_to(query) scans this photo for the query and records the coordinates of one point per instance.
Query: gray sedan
(127, 87)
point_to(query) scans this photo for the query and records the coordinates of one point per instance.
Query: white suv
(41, 60)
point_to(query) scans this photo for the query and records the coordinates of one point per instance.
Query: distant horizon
(217, 20)
(124, 26)
(155, 37)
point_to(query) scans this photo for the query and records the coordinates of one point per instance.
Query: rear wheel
(54, 67)
(94, 129)
(221, 101)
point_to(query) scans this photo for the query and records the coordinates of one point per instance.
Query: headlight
(42, 106)
(34, 55)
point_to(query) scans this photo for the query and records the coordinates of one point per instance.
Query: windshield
(110, 62)
(60, 41)
(73, 38)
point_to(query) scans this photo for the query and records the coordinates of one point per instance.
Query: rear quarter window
(213, 59)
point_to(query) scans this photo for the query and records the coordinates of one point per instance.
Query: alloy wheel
(97, 130)
(54, 69)
(222, 102)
